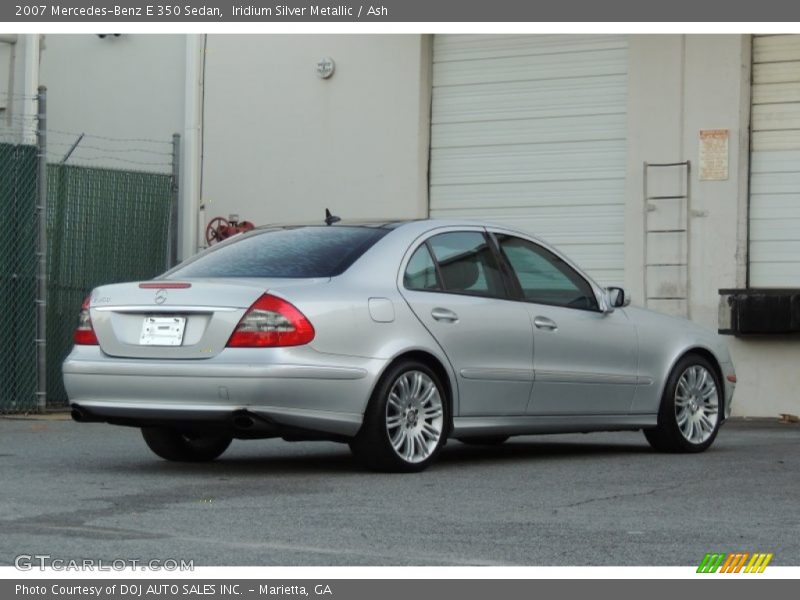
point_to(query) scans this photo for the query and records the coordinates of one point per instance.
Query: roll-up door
(530, 131)
(775, 162)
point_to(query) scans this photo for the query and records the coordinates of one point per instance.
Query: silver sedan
(391, 337)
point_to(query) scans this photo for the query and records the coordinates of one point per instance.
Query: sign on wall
(713, 154)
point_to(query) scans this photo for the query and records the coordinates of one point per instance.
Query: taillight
(84, 333)
(270, 322)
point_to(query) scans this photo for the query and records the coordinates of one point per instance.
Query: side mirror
(618, 297)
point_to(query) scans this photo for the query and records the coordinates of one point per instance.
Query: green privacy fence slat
(18, 278)
(104, 226)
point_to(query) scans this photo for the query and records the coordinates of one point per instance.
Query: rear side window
(421, 272)
(292, 253)
(467, 264)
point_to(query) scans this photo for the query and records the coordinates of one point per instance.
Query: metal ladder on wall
(667, 241)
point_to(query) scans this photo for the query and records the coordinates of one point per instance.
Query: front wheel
(688, 420)
(405, 423)
(183, 446)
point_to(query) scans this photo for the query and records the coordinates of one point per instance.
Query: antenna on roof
(330, 219)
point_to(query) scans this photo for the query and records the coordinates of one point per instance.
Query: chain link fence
(109, 217)
(18, 188)
(105, 226)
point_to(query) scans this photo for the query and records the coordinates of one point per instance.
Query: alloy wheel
(414, 416)
(696, 404)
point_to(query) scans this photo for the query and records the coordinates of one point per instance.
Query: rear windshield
(296, 252)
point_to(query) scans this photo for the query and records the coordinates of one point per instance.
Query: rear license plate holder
(162, 331)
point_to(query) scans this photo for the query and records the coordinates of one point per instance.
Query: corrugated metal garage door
(530, 130)
(775, 163)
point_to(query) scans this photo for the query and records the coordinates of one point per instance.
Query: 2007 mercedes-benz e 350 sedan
(392, 337)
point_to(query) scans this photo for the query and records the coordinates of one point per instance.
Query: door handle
(545, 323)
(444, 314)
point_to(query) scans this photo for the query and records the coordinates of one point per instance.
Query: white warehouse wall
(129, 86)
(280, 144)
(19, 71)
(5, 70)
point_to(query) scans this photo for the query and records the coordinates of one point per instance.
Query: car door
(453, 283)
(584, 360)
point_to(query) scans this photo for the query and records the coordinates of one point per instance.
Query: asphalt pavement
(75, 491)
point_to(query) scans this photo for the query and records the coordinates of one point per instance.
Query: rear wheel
(484, 441)
(183, 446)
(405, 423)
(688, 420)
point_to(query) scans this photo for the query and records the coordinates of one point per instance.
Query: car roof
(386, 224)
(349, 223)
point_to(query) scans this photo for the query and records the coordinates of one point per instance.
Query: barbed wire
(62, 145)
(82, 146)
(90, 150)
(110, 139)
(28, 120)
(76, 159)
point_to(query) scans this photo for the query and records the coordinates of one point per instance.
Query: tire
(484, 441)
(689, 415)
(406, 421)
(180, 446)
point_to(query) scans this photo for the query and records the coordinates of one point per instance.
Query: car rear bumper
(299, 389)
(245, 422)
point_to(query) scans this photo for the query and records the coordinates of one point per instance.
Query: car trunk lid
(178, 319)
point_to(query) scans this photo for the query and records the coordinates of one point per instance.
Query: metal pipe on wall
(190, 168)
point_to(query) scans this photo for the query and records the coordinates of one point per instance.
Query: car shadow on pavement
(328, 460)
(336, 459)
(528, 449)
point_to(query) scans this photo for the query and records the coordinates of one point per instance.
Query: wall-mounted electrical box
(759, 311)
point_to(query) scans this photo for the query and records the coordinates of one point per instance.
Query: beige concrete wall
(769, 379)
(281, 144)
(678, 86)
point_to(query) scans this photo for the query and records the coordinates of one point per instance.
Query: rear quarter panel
(341, 316)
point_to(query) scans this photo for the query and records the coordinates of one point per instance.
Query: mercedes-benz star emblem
(161, 296)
